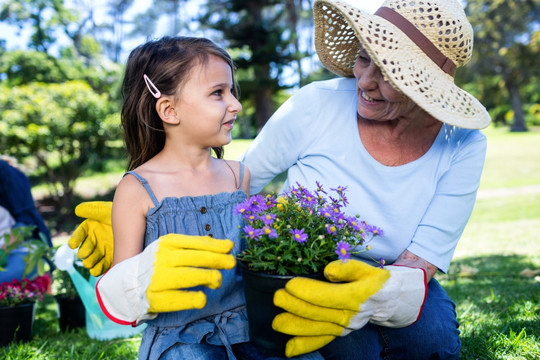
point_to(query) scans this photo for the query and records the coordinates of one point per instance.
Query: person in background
(17, 209)
(6, 223)
(16, 197)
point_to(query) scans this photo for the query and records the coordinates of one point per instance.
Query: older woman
(401, 136)
(404, 139)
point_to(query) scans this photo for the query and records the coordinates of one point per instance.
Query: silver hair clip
(151, 87)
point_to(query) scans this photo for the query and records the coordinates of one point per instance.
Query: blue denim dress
(223, 321)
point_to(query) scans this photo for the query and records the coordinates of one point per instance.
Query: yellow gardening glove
(94, 236)
(159, 279)
(318, 311)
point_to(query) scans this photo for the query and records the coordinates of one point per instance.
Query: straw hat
(416, 44)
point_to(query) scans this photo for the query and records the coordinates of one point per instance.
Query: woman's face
(377, 99)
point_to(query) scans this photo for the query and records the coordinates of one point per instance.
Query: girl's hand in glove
(158, 279)
(94, 236)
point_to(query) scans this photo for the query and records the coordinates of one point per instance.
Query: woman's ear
(166, 111)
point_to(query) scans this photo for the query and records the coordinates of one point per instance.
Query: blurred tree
(41, 15)
(20, 67)
(506, 52)
(64, 128)
(117, 10)
(264, 33)
(78, 56)
(144, 24)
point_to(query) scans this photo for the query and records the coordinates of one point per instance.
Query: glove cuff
(404, 295)
(121, 291)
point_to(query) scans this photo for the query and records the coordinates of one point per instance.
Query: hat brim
(340, 28)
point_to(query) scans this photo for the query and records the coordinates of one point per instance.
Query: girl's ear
(166, 111)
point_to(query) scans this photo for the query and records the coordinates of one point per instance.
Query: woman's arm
(283, 138)
(407, 258)
(450, 208)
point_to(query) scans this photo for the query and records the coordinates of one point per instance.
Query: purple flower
(340, 190)
(326, 212)
(268, 219)
(342, 250)
(332, 213)
(250, 216)
(331, 228)
(309, 200)
(320, 188)
(339, 217)
(258, 204)
(270, 232)
(353, 223)
(299, 235)
(269, 201)
(243, 207)
(376, 231)
(251, 232)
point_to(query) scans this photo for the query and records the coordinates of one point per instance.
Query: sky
(16, 40)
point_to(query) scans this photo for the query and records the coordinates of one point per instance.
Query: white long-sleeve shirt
(422, 206)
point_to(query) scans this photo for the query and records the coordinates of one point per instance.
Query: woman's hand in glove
(318, 311)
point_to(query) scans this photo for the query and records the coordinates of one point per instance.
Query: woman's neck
(398, 142)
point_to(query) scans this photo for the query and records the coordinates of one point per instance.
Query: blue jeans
(242, 351)
(16, 265)
(434, 336)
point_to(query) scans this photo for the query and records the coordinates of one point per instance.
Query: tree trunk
(293, 23)
(517, 106)
(263, 105)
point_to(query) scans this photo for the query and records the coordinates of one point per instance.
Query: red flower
(17, 292)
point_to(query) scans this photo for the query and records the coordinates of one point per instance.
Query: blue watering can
(98, 326)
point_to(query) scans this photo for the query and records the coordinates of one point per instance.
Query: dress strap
(241, 174)
(237, 184)
(146, 186)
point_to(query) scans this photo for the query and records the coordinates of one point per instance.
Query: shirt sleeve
(16, 197)
(6, 222)
(282, 140)
(449, 211)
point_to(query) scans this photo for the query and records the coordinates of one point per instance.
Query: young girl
(173, 210)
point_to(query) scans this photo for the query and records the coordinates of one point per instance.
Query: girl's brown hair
(167, 63)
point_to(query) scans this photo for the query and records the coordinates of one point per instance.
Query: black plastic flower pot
(71, 313)
(17, 322)
(259, 289)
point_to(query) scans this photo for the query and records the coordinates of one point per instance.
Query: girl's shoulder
(242, 173)
(131, 192)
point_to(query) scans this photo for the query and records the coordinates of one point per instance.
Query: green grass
(49, 342)
(513, 159)
(498, 308)
(100, 184)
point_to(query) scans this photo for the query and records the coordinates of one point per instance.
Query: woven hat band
(445, 63)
